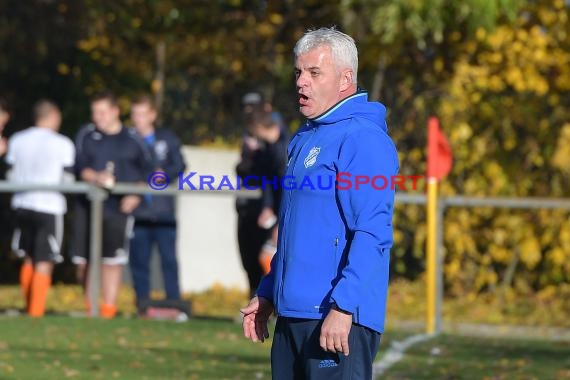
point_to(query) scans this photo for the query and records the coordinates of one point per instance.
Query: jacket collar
(337, 111)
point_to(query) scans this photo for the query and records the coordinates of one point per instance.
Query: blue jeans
(145, 236)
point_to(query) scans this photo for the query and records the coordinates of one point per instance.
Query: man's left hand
(334, 332)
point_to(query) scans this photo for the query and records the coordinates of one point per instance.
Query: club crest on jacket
(161, 150)
(312, 156)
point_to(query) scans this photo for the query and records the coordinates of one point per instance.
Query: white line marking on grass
(396, 353)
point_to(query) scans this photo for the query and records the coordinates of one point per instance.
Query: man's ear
(154, 116)
(346, 79)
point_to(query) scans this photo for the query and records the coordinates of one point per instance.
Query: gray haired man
(329, 278)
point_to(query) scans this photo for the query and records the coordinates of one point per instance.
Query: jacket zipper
(286, 217)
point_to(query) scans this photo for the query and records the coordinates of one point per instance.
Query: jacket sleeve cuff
(265, 288)
(267, 198)
(341, 300)
(339, 309)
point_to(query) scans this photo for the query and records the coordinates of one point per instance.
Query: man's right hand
(255, 317)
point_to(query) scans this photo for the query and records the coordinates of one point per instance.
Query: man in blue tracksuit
(329, 278)
(155, 219)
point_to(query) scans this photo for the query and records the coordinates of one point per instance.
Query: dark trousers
(297, 355)
(145, 236)
(251, 238)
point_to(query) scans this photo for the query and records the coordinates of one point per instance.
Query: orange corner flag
(439, 156)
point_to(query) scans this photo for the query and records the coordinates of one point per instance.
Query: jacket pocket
(309, 275)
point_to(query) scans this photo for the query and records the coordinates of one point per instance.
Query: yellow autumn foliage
(506, 115)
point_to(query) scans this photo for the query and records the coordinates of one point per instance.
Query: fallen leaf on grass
(122, 341)
(69, 372)
(136, 364)
(5, 367)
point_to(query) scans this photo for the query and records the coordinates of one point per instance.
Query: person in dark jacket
(5, 212)
(155, 219)
(263, 157)
(4, 118)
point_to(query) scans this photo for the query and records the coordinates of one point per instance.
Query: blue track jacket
(334, 239)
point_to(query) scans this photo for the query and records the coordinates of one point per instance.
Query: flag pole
(439, 162)
(431, 259)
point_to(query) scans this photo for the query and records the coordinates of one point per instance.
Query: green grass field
(450, 357)
(82, 348)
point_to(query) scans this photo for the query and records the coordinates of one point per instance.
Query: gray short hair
(343, 47)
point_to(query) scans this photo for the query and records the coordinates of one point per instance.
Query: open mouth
(303, 99)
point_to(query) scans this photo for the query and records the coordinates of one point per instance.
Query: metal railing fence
(97, 195)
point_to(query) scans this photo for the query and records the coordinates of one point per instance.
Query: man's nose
(301, 80)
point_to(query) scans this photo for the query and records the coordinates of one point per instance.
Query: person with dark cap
(263, 155)
(255, 100)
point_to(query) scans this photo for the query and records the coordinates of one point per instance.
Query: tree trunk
(158, 83)
(509, 276)
(378, 79)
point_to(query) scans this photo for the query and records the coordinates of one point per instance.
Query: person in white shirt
(39, 155)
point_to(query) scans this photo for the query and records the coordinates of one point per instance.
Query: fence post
(439, 266)
(96, 196)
